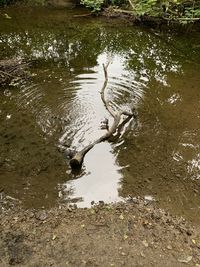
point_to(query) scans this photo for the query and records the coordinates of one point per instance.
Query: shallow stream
(156, 156)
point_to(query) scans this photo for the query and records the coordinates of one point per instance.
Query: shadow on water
(156, 73)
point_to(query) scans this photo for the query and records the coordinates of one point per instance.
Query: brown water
(157, 156)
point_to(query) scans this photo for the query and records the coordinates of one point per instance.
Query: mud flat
(136, 233)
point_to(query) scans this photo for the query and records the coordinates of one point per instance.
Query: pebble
(144, 242)
(169, 247)
(41, 215)
(185, 260)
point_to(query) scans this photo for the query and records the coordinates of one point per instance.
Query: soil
(135, 233)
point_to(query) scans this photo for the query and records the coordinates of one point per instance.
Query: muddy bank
(137, 233)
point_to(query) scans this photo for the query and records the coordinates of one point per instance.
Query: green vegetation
(5, 2)
(174, 9)
(183, 11)
(179, 10)
(94, 5)
(28, 2)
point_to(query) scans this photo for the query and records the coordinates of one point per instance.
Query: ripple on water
(125, 92)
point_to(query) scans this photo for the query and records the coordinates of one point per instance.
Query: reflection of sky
(194, 167)
(188, 153)
(100, 181)
(87, 110)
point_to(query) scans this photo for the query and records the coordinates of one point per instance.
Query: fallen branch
(82, 15)
(77, 159)
(131, 4)
(12, 70)
(8, 74)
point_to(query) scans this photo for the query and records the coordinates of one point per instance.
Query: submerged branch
(12, 70)
(77, 159)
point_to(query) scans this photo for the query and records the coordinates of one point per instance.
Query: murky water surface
(158, 155)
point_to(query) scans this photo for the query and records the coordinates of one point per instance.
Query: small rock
(125, 237)
(169, 247)
(189, 232)
(69, 209)
(92, 211)
(144, 242)
(41, 215)
(145, 223)
(54, 237)
(186, 260)
(121, 217)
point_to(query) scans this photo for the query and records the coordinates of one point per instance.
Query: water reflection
(158, 155)
(100, 179)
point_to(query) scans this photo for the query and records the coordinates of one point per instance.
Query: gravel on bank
(135, 233)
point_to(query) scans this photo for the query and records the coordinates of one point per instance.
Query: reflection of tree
(78, 47)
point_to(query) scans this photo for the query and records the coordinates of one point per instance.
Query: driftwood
(12, 71)
(82, 15)
(77, 160)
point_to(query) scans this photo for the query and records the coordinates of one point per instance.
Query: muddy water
(157, 155)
